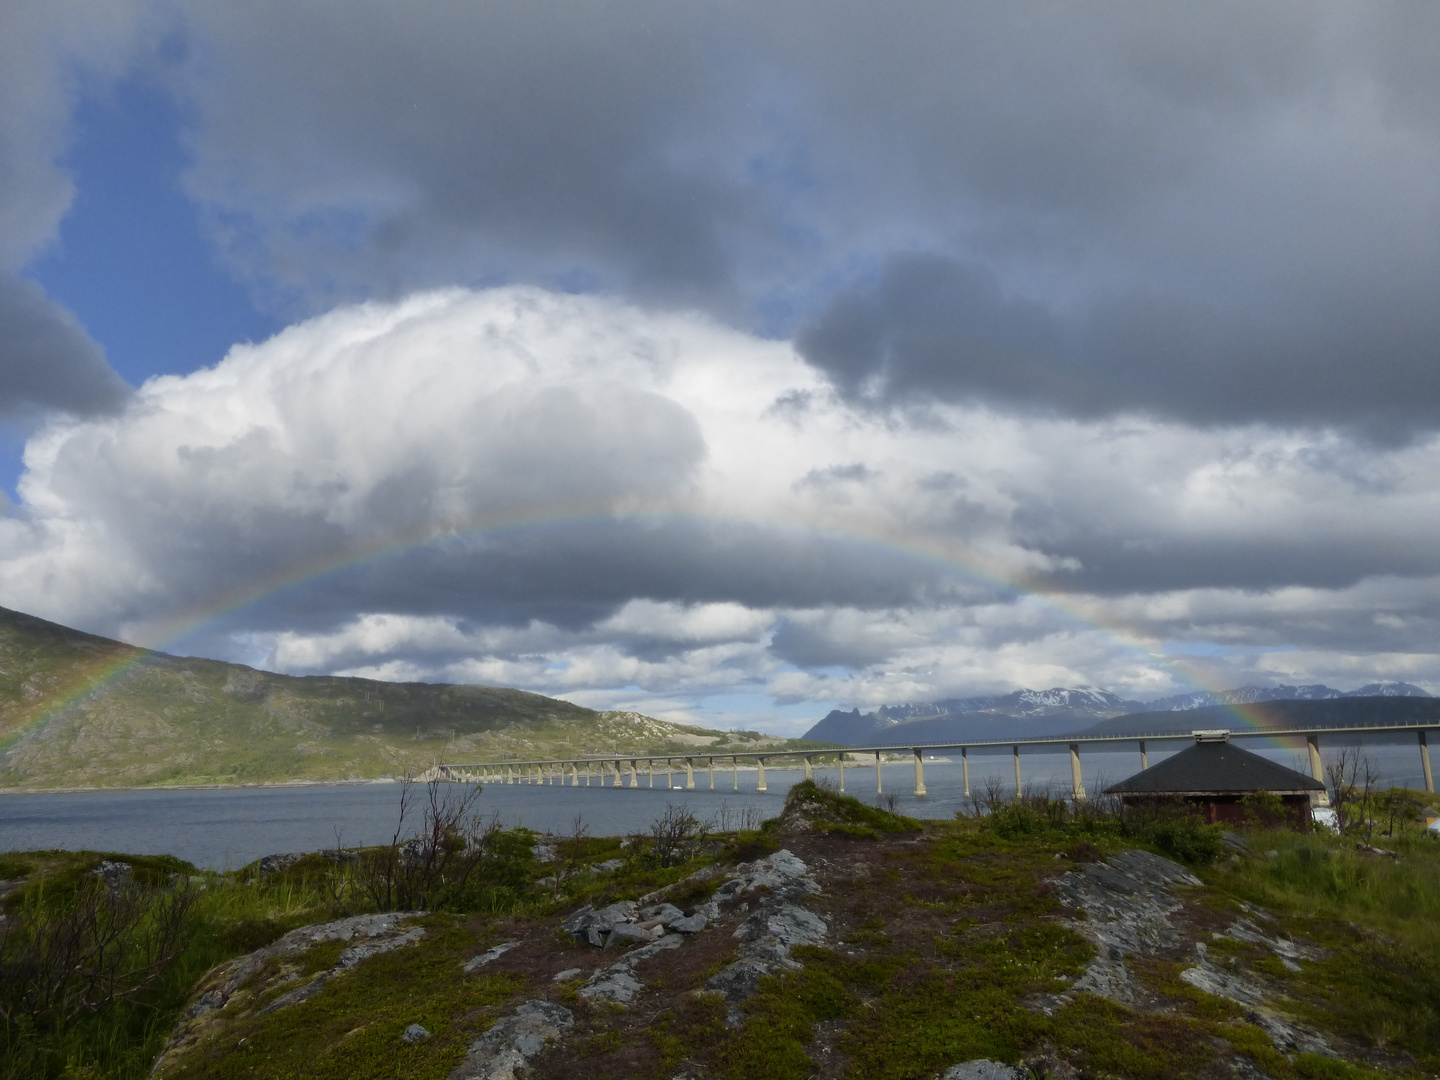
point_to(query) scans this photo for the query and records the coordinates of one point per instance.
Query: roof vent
(1212, 735)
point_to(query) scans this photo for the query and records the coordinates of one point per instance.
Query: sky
(728, 362)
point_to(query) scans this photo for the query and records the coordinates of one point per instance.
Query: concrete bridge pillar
(965, 769)
(1017, 772)
(760, 764)
(806, 759)
(735, 764)
(712, 774)
(618, 781)
(878, 789)
(650, 771)
(842, 772)
(689, 774)
(919, 771)
(1077, 782)
(634, 773)
(1425, 761)
(1144, 757)
(1316, 769)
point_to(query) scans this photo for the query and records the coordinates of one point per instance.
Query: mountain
(850, 728)
(1348, 710)
(1058, 711)
(1039, 712)
(78, 710)
(1250, 695)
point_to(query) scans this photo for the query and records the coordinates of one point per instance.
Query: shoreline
(198, 787)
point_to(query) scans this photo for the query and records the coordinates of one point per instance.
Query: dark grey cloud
(47, 360)
(1218, 214)
(930, 327)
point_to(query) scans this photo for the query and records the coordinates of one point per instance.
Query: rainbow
(103, 676)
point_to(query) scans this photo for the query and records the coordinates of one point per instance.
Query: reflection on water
(230, 827)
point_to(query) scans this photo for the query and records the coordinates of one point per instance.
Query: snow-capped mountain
(1042, 712)
(1251, 695)
(1061, 709)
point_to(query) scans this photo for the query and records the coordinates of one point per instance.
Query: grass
(946, 938)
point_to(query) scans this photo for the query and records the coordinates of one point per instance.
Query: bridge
(610, 768)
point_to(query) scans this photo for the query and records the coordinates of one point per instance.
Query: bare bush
(677, 836)
(451, 848)
(60, 959)
(570, 856)
(1353, 778)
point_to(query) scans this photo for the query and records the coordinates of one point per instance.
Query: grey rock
(360, 928)
(1236, 841)
(353, 955)
(687, 924)
(1130, 905)
(414, 1034)
(778, 929)
(299, 994)
(489, 954)
(1287, 950)
(662, 912)
(608, 866)
(1227, 984)
(568, 973)
(617, 986)
(983, 1069)
(618, 982)
(632, 933)
(1288, 1036)
(511, 1043)
(777, 925)
(589, 924)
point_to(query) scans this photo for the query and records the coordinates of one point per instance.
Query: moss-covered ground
(946, 942)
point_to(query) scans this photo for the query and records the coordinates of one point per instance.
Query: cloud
(932, 327)
(47, 360)
(1221, 215)
(47, 52)
(580, 496)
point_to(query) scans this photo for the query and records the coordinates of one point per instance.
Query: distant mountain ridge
(1056, 711)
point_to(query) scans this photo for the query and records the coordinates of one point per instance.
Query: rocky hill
(78, 710)
(838, 941)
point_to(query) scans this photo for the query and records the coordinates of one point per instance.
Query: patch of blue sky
(133, 260)
(749, 710)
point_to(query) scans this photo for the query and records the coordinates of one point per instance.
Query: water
(226, 828)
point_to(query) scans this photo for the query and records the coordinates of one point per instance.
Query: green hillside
(173, 720)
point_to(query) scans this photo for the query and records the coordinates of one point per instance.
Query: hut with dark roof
(1215, 775)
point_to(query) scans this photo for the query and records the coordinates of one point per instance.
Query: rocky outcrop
(243, 982)
(778, 883)
(1132, 909)
(510, 1044)
(984, 1069)
(1130, 904)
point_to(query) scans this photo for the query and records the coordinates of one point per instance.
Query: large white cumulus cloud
(576, 495)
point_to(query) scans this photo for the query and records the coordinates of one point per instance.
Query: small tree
(1352, 778)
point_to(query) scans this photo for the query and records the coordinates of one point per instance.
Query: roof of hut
(1215, 766)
